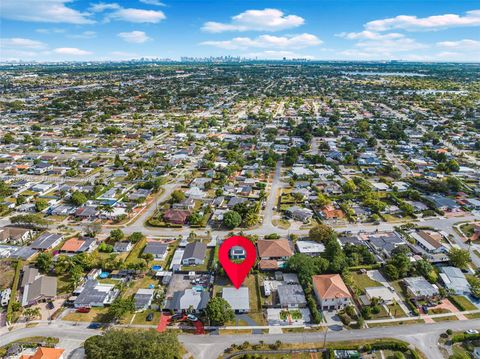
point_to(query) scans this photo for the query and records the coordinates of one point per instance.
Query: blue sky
(55, 30)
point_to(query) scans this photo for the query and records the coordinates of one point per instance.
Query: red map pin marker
(237, 271)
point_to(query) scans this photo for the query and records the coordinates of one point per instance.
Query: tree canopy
(122, 344)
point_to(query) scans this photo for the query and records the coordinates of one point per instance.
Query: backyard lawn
(463, 302)
(95, 315)
(141, 283)
(363, 281)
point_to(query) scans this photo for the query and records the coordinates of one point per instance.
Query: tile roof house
(45, 353)
(273, 252)
(331, 291)
(78, 245)
(47, 241)
(330, 212)
(176, 216)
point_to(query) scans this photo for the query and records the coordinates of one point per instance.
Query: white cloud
(369, 35)
(391, 45)
(71, 51)
(465, 44)
(84, 35)
(19, 42)
(136, 37)
(102, 6)
(436, 22)
(258, 20)
(267, 41)
(54, 11)
(153, 2)
(50, 31)
(137, 15)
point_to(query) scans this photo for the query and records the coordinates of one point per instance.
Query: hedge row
(384, 345)
(461, 337)
(13, 297)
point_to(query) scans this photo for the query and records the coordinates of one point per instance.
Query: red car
(83, 310)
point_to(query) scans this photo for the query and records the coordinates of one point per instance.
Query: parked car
(50, 305)
(175, 317)
(192, 318)
(83, 310)
(149, 317)
(94, 326)
(471, 331)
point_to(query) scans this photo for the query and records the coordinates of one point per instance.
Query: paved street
(423, 336)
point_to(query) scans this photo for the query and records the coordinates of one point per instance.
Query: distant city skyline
(78, 30)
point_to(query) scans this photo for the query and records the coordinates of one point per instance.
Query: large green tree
(459, 257)
(122, 344)
(232, 219)
(219, 311)
(322, 233)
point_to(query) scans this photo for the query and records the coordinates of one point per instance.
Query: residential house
(95, 294)
(330, 212)
(37, 287)
(157, 249)
(187, 204)
(47, 241)
(273, 253)
(194, 254)
(78, 245)
(15, 235)
(122, 246)
(176, 216)
(455, 281)
(291, 296)
(420, 288)
(237, 252)
(430, 242)
(143, 299)
(386, 295)
(310, 248)
(331, 292)
(443, 203)
(299, 213)
(85, 212)
(45, 353)
(188, 299)
(237, 298)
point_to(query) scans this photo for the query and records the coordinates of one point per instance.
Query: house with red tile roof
(46, 353)
(331, 292)
(273, 253)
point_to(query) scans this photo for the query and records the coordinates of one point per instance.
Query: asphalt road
(422, 336)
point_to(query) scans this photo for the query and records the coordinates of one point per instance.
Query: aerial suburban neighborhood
(358, 183)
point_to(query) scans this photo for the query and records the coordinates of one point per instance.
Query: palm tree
(32, 313)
